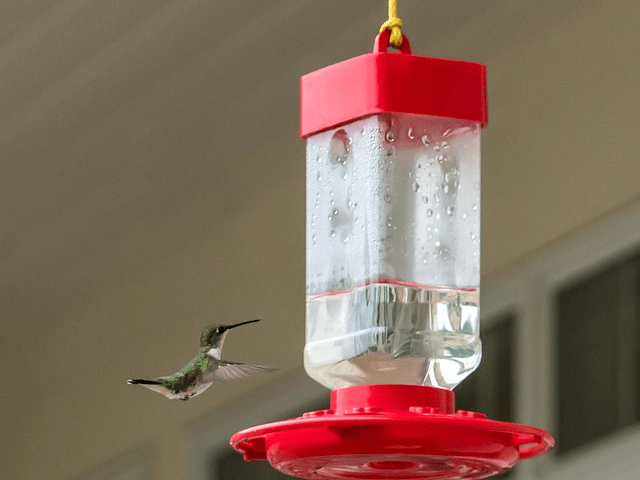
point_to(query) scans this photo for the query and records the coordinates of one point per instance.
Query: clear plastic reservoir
(393, 252)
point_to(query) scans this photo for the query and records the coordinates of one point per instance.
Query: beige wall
(148, 194)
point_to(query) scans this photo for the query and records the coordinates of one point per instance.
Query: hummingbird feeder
(393, 276)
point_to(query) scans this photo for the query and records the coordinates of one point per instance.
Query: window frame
(532, 288)
(528, 293)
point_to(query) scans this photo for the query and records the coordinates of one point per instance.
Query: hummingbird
(203, 369)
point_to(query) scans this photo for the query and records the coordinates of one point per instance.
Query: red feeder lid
(392, 431)
(391, 82)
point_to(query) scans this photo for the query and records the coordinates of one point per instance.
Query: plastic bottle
(393, 251)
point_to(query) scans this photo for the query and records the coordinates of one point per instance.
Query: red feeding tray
(392, 431)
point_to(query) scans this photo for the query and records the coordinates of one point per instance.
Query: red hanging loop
(381, 43)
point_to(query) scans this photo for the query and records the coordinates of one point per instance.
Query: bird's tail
(143, 381)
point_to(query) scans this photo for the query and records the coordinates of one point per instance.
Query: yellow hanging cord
(394, 24)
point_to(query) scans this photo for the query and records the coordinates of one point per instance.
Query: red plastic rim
(392, 431)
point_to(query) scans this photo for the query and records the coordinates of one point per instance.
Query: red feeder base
(392, 431)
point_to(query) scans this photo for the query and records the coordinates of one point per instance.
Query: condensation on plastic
(393, 251)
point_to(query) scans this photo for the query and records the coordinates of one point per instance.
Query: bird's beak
(229, 327)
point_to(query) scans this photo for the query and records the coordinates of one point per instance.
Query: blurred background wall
(152, 182)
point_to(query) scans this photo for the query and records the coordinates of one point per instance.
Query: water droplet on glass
(437, 197)
(472, 236)
(389, 220)
(416, 186)
(429, 212)
(445, 188)
(445, 145)
(410, 133)
(363, 132)
(425, 199)
(387, 198)
(436, 148)
(475, 207)
(437, 244)
(425, 140)
(464, 216)
(390, 136)
(344, 236)
(424, 261)
(339, 146)
(441, 158)
(450, 210)
(332, 233)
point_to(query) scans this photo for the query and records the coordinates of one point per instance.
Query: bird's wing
(227, 371)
